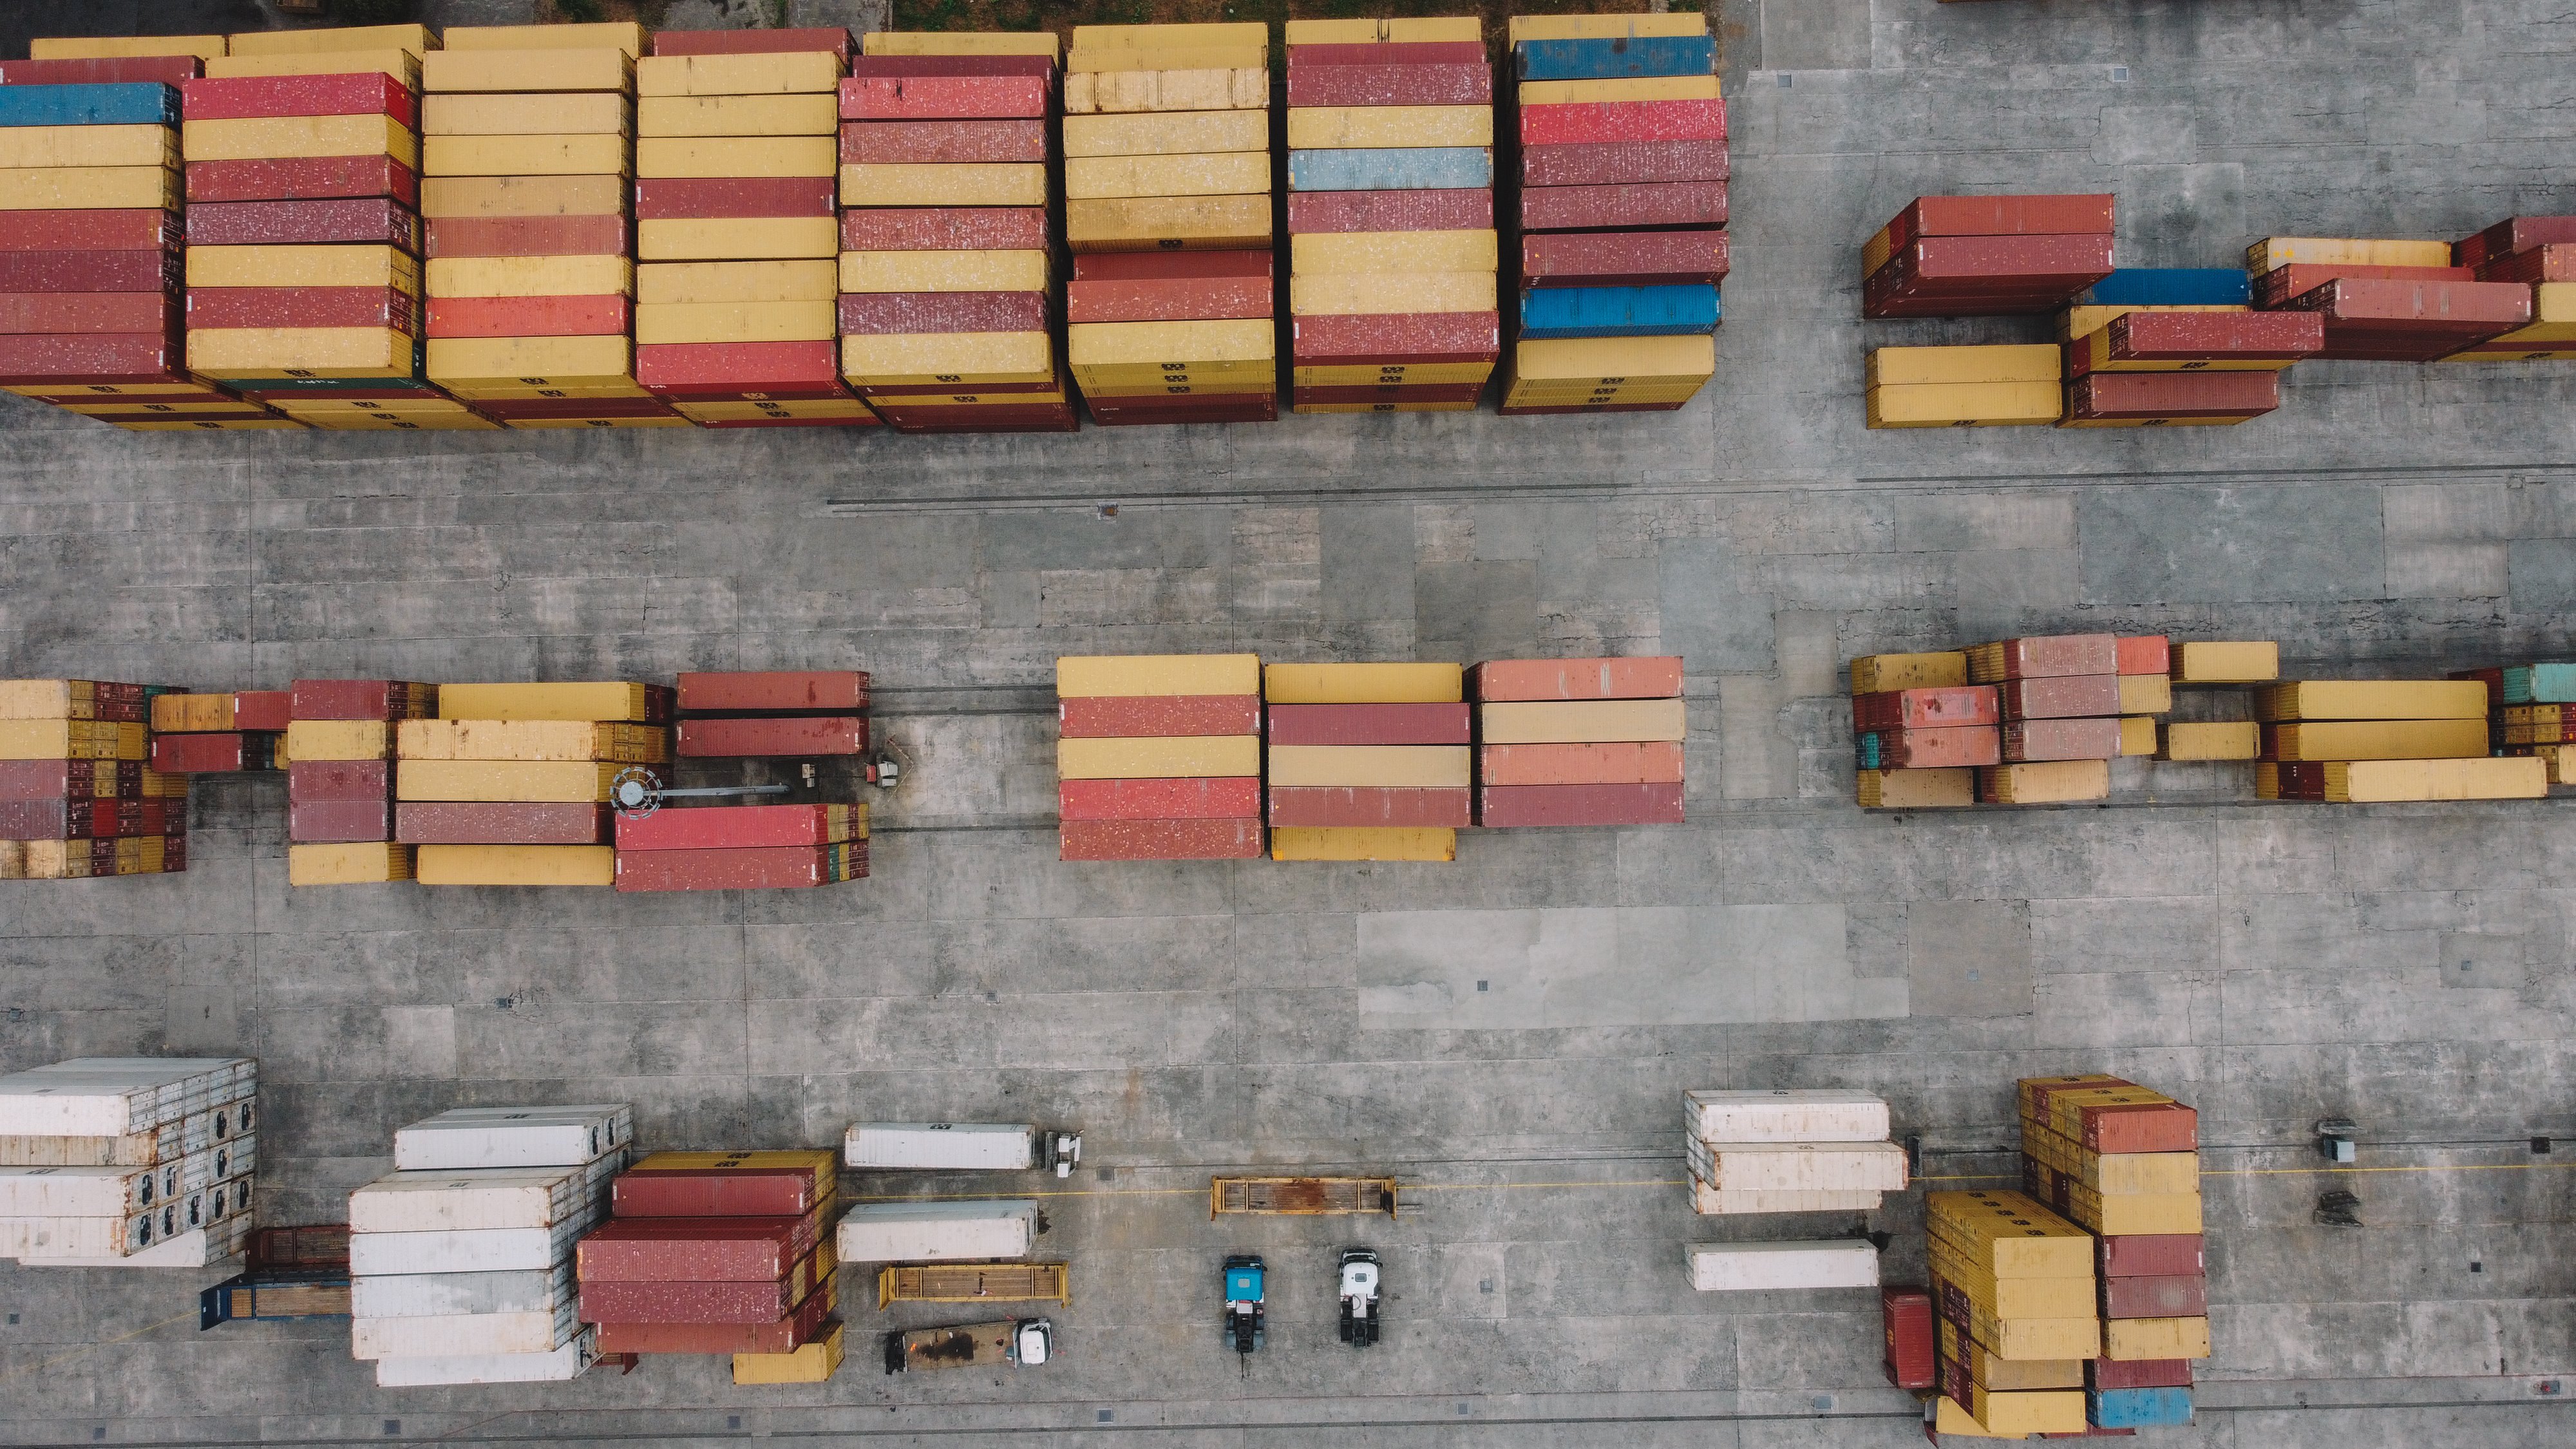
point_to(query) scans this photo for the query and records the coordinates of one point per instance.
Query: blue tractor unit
(1246, 1323)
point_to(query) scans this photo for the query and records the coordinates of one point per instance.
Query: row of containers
(1217, 756)
(557, 784)
(2037, 720)
(2152, 347)
(597, 226)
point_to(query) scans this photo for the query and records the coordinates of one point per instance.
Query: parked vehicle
(1359, 1297)
(1246, 1322)
(1013, 1342)
(960, 1147)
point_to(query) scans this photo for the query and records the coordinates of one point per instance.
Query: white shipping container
(117, 1191)
(1816, 1115)
(194, 1132)
(903, 1232)
(118, 1237)
(1710, 1201)
(118, 1096)
(490, 1197)
(483, 1250)
(468, 1137)
(202, 1248)
(455, 1335)
(1798, 1166)
(564, 1363)
(1761, 1267)
(430, 1295)
(955, 1146)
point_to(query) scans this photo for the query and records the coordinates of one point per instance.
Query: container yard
(879, 721)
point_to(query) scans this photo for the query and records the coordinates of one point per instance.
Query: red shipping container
(1392, 394)
(278, 223)
(326, 822)
(1674, 203)
(2151, 1255)
(1986, 272)
(2190, 338)
(801, 1326)
(364, 699)
(2179, 1296)
(2173, 395)
(354, 93)
(525, 236)
(37, 359)
(120, 229)
(834, 38)
(1054, 418)
(1180, 299)
(771, 739)
(2000, 216)
(1369, 724)
(883, 67)
(2034, 656)
(156, 270)
(942, 97)
(1932, 749)
(942, 142)
(730, 369)
(1905, 1320)
(1165, 266)
(168, 70)
(2512, 236)
(91, 312)
(2137, 1373)
(1161, 716)
(2414, 321)
(210, 307)
(1330, 84)
(1518, 805)
(263, 709)
(2065, 696)
(773, 867)
(714, 1192)
(775, 691)
(1182, 410)
(700, 198)
(943, 228)
(1933, 708)
(600, 316)
(443, 822)
(1577, 122)
(719, 827)
(47, 819)
(2061, 739)
(2145, 654)
(300, 179)
(705, 1250)
(2279, 286)
(1159, 840)
(869, 421)
(1370, 806)
(1640, 677)
(1611, 163)
(1463, 209)
(2555, 262)
(191, 754)
(311, 782)
(1623, 763)
(1623, 259)
(2141, 1127)
(870, 314)
(54, 779)
(1206, 798)
(1403, 337)
(687, 1302)
(1388, 52)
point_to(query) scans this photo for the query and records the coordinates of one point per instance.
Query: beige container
(1587, 721)
(1419, 767)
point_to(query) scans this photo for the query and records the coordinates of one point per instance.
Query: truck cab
(1010, 1342)
(1359, 1297)
(1246, 1321)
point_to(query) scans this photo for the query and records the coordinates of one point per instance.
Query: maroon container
(1612, 163)
(1941, 748)
(1388, 52)
(213, 307)
(118, 229)
(274, 223)
(778, 691)
(314, 781)
(1370, 806)
(354, 93)
(868, 314)
(2000, 216)
(772, 739)
(525, 236)
(1218, 408)
(2555, 262)
(1955, 275)
(1311, 84)
(714, 1192)
(878, 67)
(2033, 656)
(38, 359)
(2179, 1296)
(157, 270)
(685, 1302)
(192, 754)
(2137, 1373)
(1388, 393)
(300, 179)
(2187, 338)
(1659, 203)
(90, 312)
(1623, 259)
(168, 70)
(57, 819)
(1646, 676)
(2413, 321)
(943, 228)
(834, 38)
(2156, 1255)
(801, 1326)
(718, 827)
(1933, 708)
(943, 97)
(702, 1250)
(729, 369)
(2060, 697)
(57, 779)
(2512, 236)
(1405, 337)
(263, 709)
(1513, 805)
(778, 867)
(1598, 121)
(702, 198)
(364, 699)
(919, 142)
(2277, 287)
(1463, 209)
(325, 822)
(1905, 1317)
(1159, 840)
(2061, 739)
(1161, 716)
(1052, 419)
(2173, 395)
(1180, 299)
(1235, 798)
(1369, 724)
(441, 822)
(505, 409)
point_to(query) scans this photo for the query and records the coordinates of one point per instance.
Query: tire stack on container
(340, 779)
(2013, 1285)
(1791, 1151)
(2534, 251)
(1391, 742)
(2124, 1163)
(2357, 740)
(1391, 242)
(461, 1260)
(520, 775)
(2383, 300)
(1579, 741)
(735, 233)
(201, 734)
(946, 257)
(1158, 757)
(1167, 210)
(128, 1162)
(304, 279)
(529, 314)
(2531, 711)
(1623, 173)
(2149, 347)
(90, 263)
(721, 1252)
(77, 799)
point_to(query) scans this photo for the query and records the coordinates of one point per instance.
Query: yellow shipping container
(2205, 661)
(1396, 29)
(2020, 1414)
(1171, 58)
(339, 739)
(1604, 27)
(1167, 37)
(837, 407)
(738, 75)
(1872, 673)
(737, 237)
(1168, 223)
(551, 424)
(2051, 782)
(958, 42)
(1891, 366)
(1231, 173)
(344, 265)
(937, 358)
(1418, 374)
(1236, 88)
(2224, 740)
(1426, 683)
(72, 739)
(402, 65)
(735, 322)
(511, 781)
(1200, 383)
(2009, 1234)
(1966, 405)
(814, 114)
(760, 281)
(29, 146)
(1374, 293)
(1092, 676)
(1915, 789)
(2372, 699)
(944, 184)
(2145, 693)
(1184, 757)
(2522, 778)
(528, 365)
(335, 352)
(517, 865)
(1631, 88)
(1176, 133)
(879, 396)
(592, 68)
(812, 1363)
(2282, 251)
(528, 115)
(1372, 127)
(393, 423)
(1363, 843)
(411, 39)
(1342, 253)
(1614, 361)
(357, 863)
(192, 713)
(574, 155)
(110, 47)
(569, 276)
(944, 271)
(1150, 344)
(2402, 739)
(606, 699)
(2138, 735)
(758, 157)
(530, 739)
(1425, 767)
(625, 35)
(1582, 721)
(1467, 406)
(93, 188)
(2116, 1173)
(2012, 1298)
(2152, 1338)
(2006, 1375)
(442, 196)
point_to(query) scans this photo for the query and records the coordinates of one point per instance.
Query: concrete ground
(1508, 1034)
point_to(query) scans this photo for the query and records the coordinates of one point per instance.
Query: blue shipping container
(129, 103)
(2540, 684)
(2169, 287)
(1624, 58)
(1619, 311)
(2137, 1408)
(1865, 751)
(1392, 168)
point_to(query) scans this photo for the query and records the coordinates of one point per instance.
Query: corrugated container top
(482, 1137)
(963, 1146)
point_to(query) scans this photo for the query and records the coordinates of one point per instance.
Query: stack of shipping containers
(2385, 739)
(1158, 757)
(304, 284)
(1970, 256)
(1391, 240)
(2535, 251)
(77, 798)
(2002, 385)
(735, 315)
(802, 714)
(1622, 165)
(525, 771)
(461, 1259)
(529, 314)
(1168, 200)
(2058, 698)
(1408, 733)
(2013, 1285)
(2385, 300)
(200, 734)
(2151, 347)
(721, 1252)
(2124, 1163)
(2531, 711)
(742, 847)
(340, 779)
(128, 1162)
(946, 257)
(1579, 741)
(1821, 1150)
